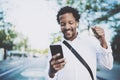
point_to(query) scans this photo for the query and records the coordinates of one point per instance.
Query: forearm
(106, 58)
(51, 73)
(103, 43)
(51, 76)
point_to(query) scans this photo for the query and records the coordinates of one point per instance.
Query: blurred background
(27, 27)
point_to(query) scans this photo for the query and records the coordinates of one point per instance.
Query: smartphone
(56, 49)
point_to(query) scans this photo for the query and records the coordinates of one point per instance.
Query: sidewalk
(113, 74)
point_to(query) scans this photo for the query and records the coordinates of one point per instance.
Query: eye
(62, 24)
(71, 22)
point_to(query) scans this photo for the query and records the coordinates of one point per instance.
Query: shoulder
(90, 39)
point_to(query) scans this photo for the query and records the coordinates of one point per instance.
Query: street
(35, 69)
(113, 74)
(23, 69)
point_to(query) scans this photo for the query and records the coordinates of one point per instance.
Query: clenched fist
(100, 35)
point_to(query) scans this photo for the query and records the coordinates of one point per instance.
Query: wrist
(103, 43)
(51, 75)
(52, 72)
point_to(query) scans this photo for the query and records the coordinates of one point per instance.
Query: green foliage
(7, 33)
(99, 12)
(112, 12)
(21, 42)
(69, 2)
(55, 37)
(6, 40)
(88, 8)
(2, 35)
(116, 44)
(12, 34)
(39, 51)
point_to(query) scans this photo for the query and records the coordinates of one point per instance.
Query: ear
(77, 24)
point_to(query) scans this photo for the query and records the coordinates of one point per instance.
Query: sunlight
(34, 18)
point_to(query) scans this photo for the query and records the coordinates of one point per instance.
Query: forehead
(67, 16)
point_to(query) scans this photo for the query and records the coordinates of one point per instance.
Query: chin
(67, 37)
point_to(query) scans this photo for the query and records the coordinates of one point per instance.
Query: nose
(67, 26)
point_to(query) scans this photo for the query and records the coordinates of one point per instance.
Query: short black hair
(68, 9)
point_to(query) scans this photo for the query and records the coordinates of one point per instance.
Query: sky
(33, 18)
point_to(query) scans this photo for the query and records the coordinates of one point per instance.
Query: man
(94, 50)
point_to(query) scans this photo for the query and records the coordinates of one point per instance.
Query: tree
(104, 11)
(55, 37)
(98, 8)
(6, 40)
(116, 46)
(21, 42)
(7, 34)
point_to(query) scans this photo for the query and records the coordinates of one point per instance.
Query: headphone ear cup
(77, 24)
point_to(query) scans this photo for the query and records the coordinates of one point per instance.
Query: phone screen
(56, 49)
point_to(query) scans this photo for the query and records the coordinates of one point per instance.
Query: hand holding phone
(55, 49)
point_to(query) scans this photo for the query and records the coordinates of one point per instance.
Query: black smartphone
(56, 49)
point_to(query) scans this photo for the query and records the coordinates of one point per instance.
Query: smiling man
(81, 60)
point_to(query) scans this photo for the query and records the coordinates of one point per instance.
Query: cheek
(62, 29)
(74, 27)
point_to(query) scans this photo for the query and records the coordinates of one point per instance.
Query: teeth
(67, 30)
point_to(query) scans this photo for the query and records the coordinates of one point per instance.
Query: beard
(69, 34)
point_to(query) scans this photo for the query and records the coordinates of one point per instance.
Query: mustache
(67, 30)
